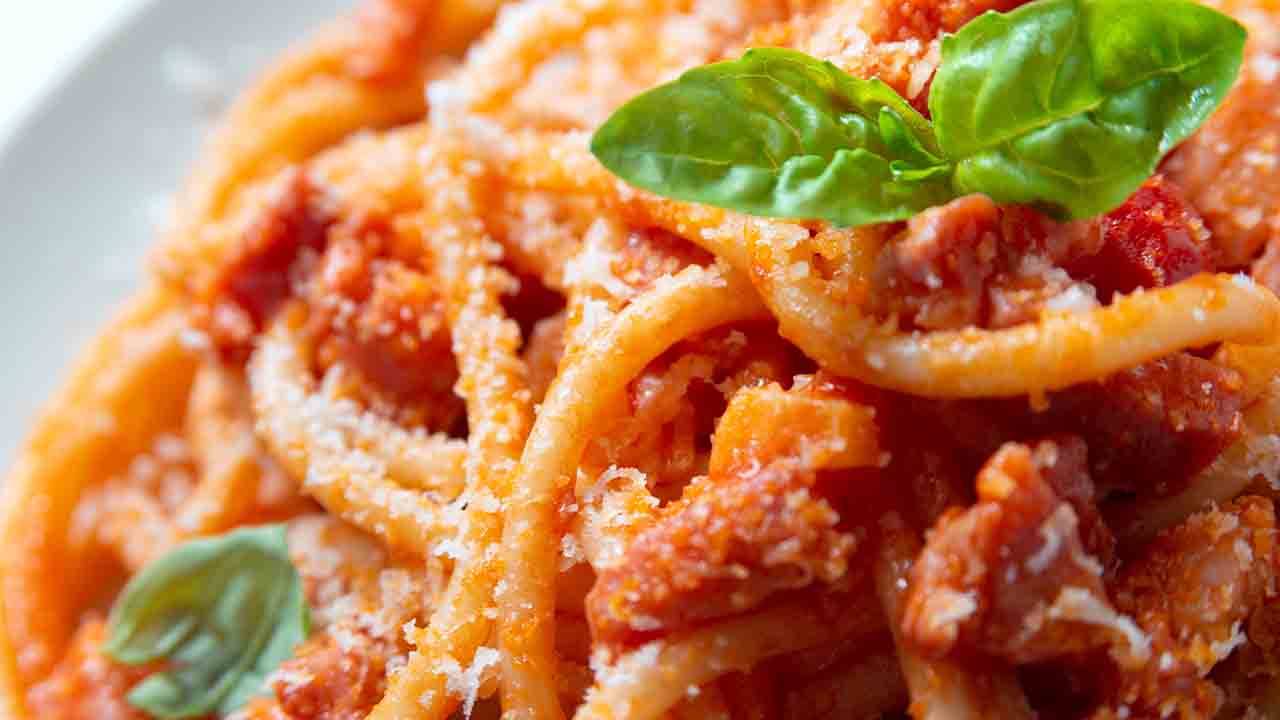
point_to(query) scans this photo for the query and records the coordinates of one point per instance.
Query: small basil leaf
(780, 134)
(222, 612)
(1070, 104)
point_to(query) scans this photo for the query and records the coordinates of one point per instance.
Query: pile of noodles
(551, 444)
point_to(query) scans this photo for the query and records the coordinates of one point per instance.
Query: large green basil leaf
(778, 133)
(222, 612)
(1070, 104)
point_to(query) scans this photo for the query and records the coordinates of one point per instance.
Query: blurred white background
(39, 41)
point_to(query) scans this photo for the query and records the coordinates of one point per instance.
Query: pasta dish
(676, 359)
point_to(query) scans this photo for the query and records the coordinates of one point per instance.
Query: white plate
(85, 176)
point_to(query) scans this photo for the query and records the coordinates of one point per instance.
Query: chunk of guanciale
(1152, 427)
(371, 306)
(382, 321)
(1149, 429)
(972, 262)
(756, 525)
(1192, 591)
(1152, 240)
(1017, 575)
(257, 275)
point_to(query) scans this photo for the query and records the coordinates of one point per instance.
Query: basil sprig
(223, 612)
(778, 133)
(1063, 104)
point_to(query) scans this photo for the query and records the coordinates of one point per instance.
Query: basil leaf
(1070, 104)
(780, 134)
(223, 612)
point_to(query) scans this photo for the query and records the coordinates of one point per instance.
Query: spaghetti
(549, 446)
